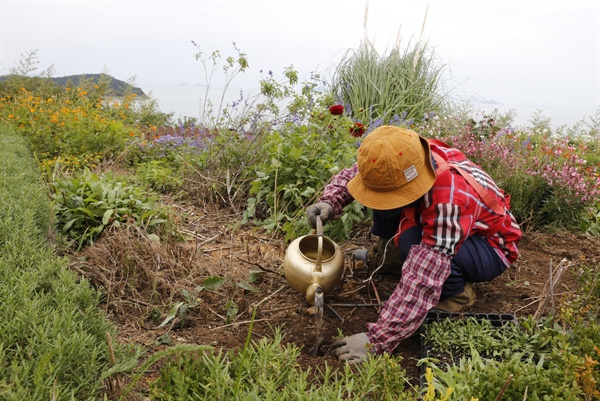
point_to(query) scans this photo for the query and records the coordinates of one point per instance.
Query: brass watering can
(312, 262)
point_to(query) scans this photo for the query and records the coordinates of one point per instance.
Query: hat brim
(407, 194)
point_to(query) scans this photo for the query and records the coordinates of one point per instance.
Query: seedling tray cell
(427, 351)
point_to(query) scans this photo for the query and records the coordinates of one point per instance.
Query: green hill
(117, 86)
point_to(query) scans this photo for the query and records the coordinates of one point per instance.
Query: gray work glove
(325, 210)
(352, 349)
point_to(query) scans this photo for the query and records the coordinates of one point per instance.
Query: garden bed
(139, 306)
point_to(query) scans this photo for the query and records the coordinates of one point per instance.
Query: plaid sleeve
(419, 290)
(336, 192)
(445, 227)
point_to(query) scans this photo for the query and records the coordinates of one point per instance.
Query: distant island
(117, 86)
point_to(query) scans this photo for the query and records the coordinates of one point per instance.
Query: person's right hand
(352, 349)
(325, 210)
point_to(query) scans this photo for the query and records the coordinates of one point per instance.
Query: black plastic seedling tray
(496, 320)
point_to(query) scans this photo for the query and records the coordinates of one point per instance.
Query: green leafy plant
(302, 159)
(512, 360)
(456, 337)
(511, 378)
(551, 181)
(269, 370)
(55, 337)
(190, 299)
(85, 205)
(159, 175)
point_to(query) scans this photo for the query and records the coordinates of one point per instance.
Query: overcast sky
(525, 54)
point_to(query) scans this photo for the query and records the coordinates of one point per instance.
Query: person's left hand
(352, 349)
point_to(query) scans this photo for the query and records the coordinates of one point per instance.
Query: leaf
(154, 238)
(165, 339)
(172, 313)
(232, 310)
(67, 226)
(247, 286)
(187, 296)
(85, 211)
(107, 215)
(210, 283)
(296, 153)
(255, 275)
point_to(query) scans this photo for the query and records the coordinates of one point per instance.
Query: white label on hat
(411, 173)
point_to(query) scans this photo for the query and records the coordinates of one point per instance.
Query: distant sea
(187, 100)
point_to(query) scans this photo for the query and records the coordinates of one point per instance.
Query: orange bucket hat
(394, 169)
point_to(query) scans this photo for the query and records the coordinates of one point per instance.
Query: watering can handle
(319, 243)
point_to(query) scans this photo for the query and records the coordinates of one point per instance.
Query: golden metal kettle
(313, 261)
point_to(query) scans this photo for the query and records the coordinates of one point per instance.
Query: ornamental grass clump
(382, 87)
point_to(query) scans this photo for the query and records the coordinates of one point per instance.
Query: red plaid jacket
(450, 212)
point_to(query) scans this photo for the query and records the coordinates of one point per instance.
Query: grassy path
(53, 336)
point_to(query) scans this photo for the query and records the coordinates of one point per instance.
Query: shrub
(269, 370)
(549, 180)
(53, 337)
(302, 159)
(159, 175)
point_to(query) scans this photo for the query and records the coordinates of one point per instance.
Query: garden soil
(142, 279)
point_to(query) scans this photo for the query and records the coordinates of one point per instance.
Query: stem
(504, 387)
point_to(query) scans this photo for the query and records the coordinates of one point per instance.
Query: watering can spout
(313, 292)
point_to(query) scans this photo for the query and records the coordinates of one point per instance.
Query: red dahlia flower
(357, 130)
(336, 109)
